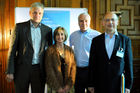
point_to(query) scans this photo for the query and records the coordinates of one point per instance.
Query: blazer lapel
(42, 38)
(116, 45)
(103, 38)
(28, 33)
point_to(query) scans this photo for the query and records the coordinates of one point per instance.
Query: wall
(6, 26)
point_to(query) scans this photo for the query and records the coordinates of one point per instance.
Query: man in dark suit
(26, 53)
(110, 56)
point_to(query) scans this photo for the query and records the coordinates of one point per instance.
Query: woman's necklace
(61, 50)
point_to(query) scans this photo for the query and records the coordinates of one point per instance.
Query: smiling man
(81, 41)
(110, 57)
(26, 53)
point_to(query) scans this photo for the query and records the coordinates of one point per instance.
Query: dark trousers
(29, 76)
(81, 82)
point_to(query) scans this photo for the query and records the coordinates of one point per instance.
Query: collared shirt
(36, 41)
(109, 43)
(81, 42)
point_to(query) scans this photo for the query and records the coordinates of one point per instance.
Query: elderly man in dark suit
(110, 56)
(26, 53)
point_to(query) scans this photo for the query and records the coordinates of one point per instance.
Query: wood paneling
(25, 3)
(89, 4)
(65, 3)
(1, 46)
(1, 91)
(136, 84)
(6, 24)
(57, 3)
(1, 24)
(6, 87)
(76, 3)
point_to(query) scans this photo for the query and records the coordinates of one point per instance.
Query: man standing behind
(26, 53)
(81, 41)
(110, 56)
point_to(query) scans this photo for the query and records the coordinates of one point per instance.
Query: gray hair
(37, 4)
(86, 14)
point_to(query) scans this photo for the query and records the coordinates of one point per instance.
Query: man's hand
(127, 90)
(9, 77)
(91, 89)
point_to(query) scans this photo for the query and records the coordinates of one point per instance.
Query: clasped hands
(64, 90)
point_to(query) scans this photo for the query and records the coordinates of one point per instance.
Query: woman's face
(60, 36)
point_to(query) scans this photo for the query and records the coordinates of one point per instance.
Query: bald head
(111, 14)
(110, 22)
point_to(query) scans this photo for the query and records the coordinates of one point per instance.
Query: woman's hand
(61, 90)
(67, 88)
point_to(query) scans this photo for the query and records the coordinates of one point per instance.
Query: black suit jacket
(21, 49)
(105, 73)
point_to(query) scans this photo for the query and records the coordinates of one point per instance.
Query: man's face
(110, 22)
(84, 22)
(36, 14)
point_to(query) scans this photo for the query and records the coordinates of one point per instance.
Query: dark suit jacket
(21, 49)
(105, 73)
